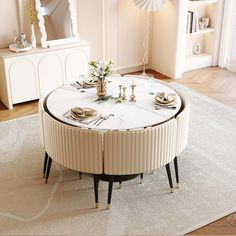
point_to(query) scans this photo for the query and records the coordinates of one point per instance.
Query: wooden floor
(214, 82)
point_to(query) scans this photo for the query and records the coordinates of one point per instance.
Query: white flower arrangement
(100, 69)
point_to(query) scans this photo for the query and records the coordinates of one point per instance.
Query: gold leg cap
(97, 205)
(177, 186)
(141, 181)
(108, 206)
(171, 190)
(120, 185)
(46, 181)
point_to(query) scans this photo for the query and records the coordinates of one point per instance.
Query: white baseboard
(129, 68)
(232, 67)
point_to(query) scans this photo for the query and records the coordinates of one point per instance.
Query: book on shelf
(192, 22)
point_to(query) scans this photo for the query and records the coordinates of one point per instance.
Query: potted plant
(100, 70)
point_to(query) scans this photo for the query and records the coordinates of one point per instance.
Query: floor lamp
(147, 6)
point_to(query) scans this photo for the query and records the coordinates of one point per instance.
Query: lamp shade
(149, 5)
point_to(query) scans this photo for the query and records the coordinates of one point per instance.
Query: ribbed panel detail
(183, 126)
(40, 108)
(132, 152)
(74, 148)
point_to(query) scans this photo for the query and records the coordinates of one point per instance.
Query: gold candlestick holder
(132, 96)
(120, 91)
(124, 95)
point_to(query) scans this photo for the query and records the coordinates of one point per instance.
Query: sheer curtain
(232, 61)
(227, 58)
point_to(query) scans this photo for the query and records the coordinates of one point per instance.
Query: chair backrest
(74, 148)
(137, 151)
(182, 120)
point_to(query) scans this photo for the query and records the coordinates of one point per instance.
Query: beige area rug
(66, 204)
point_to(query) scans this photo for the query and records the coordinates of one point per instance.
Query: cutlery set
(100, 119)
(97, 121)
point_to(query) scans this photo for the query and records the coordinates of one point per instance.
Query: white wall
(125, 34)
(8, 22)
(165, 38)
(91, 26)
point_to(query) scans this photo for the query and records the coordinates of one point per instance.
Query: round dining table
(126, 115)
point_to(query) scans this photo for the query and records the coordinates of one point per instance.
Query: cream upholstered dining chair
(77, 149)
(182, 126)
(134, 152)
(72, 147)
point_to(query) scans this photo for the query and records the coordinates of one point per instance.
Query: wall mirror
(57, 22)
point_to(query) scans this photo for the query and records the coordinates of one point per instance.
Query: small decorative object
(101, 70)
(132, 96)
(15, 48)
(201, 25)
(120, 91)
(124, 95)
(206, 21)
(196, 48)
(32, 16)
(33, 38)
(21, 40)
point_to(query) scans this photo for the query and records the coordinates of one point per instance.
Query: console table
(26, 76)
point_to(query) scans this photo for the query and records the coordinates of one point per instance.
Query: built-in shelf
(202, 2)
(208, 30)
(194, 62)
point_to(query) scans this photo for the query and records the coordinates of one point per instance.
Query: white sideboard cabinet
(26, 76)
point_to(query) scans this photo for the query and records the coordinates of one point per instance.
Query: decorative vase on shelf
(101, 88)
(33, 38)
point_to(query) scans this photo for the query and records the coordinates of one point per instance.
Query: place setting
(85, 84)
(165, 101)
(86, 116)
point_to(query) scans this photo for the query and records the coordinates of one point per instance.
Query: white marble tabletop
(126, 115)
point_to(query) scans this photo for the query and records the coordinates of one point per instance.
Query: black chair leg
(111, 178)
(45, 164)
(80, 175)
(120, 184)
(141, 178)
(169, 177)
(176, 171)
(48, 168)
(95, 181)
